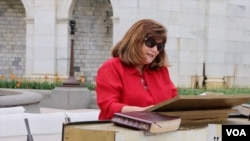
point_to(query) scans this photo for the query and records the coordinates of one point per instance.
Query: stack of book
(187, 110)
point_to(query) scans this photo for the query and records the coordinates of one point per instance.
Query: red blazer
(118, 85)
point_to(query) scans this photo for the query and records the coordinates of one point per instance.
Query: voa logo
(236, 132)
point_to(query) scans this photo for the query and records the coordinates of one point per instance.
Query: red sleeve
(174, 90)
(108, 90)
(173, 87)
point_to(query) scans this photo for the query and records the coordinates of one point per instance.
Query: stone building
(208, 40)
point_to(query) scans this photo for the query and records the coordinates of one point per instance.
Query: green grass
(45, 85)
(51, 85)
(226, 91)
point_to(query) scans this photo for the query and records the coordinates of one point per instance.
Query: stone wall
(12, 38)
(93, 40)
(93, 37)
(206, 39)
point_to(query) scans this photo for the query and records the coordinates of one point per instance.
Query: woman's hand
(134, 108)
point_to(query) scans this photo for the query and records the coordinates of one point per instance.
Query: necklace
(144, 83)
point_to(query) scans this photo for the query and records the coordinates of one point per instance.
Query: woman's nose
(155, 48)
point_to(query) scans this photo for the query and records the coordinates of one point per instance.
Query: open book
(147, 121)
(200, 108)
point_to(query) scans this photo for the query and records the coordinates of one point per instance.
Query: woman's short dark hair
(129, 48)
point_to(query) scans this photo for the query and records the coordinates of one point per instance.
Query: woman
(137, 76)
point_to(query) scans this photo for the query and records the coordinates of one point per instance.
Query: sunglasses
(150, 42)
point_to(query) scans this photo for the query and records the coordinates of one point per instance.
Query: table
(107, 131)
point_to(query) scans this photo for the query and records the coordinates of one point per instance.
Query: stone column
(62, 47)
(29, 12)
(29, 45)
(47, 37)
(64, 12)
(116, 22)
(44, 37)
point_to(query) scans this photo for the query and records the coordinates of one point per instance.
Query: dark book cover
(147, 121)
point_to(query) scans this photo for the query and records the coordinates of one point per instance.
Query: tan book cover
(201, 108)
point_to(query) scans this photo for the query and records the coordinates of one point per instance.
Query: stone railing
(29, 100)
(59, 98)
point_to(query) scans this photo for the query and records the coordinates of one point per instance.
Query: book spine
(133, 118)
(131, 123)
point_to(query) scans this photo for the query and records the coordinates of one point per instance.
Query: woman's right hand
(134, 108)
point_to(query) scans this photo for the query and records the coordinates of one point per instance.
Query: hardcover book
(201, 108)
(147, 121)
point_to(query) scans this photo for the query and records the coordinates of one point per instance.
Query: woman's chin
(148, 61)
